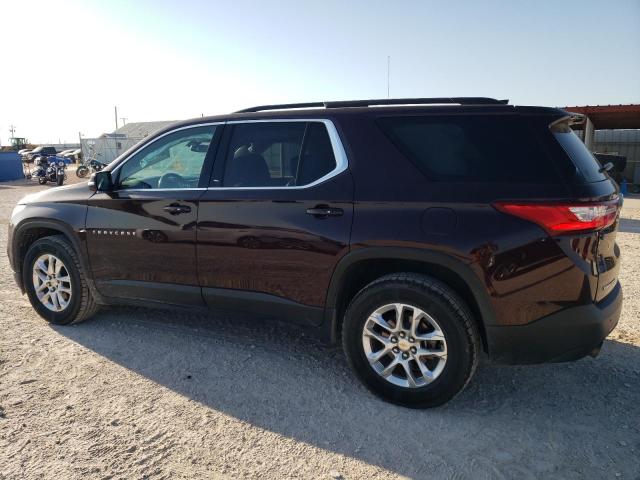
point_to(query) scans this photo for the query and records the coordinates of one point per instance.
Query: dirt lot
(137, 393)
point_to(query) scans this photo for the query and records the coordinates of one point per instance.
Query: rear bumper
(567, 335)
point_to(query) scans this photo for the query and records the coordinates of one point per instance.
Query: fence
(10, 166)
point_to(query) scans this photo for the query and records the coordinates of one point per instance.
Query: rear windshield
(478, 148)
(585, 162)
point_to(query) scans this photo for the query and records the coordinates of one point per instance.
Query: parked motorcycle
(50, 169)
(90, 165)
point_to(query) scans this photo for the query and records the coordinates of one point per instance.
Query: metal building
(613, 129)
(109, 146)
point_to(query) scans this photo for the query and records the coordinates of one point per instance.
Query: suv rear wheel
(411, 340)
(55, 283)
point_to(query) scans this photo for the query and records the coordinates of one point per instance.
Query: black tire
(60, 180)
(82, 171)
(81, 304)
(440, 302)
(42, 180)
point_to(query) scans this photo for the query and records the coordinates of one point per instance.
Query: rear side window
(278, 154)
(471, 148)
(583, 159)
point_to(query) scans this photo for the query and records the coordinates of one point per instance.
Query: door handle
(323, 211)
(175, 209)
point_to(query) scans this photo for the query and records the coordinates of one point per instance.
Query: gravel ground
(137, 393)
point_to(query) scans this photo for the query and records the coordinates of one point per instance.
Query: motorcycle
(90, 165)
(50, 169)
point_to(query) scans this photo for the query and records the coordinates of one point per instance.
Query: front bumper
(564, 336)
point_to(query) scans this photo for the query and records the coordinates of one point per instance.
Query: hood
(75, 193)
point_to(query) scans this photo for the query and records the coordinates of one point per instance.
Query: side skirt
(263, 304)
(256, 303)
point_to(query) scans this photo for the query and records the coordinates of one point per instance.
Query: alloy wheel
(404, 345)
(52, 282)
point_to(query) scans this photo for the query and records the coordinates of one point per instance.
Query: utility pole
(12, 129)
(115, 138)
(388, 73)
(124, 121)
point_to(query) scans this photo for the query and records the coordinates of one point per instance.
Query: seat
(247, 170)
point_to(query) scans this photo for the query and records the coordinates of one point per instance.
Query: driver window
(173, 161)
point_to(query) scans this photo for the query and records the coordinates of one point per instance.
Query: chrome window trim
(195, 125)
(342, 162)
(339, 153)
(159, 189)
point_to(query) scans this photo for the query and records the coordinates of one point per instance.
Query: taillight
(560, 218)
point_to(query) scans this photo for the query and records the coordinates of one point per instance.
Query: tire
(60, 180)
(42, 180)
(82, 171)
(444, 309)
(81, 304)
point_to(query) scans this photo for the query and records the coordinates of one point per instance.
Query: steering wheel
(170, 180)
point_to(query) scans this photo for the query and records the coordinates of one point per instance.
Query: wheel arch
(360, 267)
(30, 230)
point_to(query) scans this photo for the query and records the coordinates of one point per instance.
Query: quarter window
(471, 148)
(173, 161)
(587, 164)
(278, 154)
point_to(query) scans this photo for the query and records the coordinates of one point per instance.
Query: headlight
(61, 164)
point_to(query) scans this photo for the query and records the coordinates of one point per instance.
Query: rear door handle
(176, 209)
(322, 211)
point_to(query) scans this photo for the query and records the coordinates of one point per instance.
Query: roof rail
(383, 101)
(282, 107)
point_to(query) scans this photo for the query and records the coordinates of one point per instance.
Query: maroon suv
(420, 232)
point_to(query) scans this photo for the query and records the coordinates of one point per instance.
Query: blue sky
(161, 60)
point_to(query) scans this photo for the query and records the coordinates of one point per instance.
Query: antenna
(388, 73)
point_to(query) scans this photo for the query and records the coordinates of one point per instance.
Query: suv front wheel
(411, 340)
(55, 283)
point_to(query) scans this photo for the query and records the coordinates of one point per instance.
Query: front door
(141, 236)
(276, 219)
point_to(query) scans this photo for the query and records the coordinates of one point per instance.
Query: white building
(109, 146)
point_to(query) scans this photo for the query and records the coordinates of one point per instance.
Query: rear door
(142, 236)
(276, 219)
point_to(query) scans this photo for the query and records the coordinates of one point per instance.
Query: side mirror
(101, 182)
